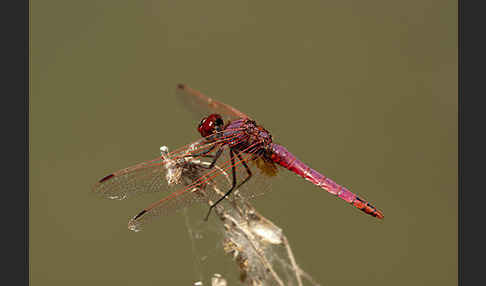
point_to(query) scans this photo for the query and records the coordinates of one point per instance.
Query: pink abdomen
(286, 159)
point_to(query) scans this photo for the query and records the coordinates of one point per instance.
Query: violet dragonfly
(234, 144)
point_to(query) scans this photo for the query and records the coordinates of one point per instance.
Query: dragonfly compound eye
(209, 124)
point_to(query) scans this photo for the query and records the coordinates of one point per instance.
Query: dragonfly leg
(247, 170)
(201, 154)
(215, 158)
(204, 154)
(233, 171)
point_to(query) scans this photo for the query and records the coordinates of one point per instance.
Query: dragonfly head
(211, 124)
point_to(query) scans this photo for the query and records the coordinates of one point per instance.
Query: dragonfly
(238, 151)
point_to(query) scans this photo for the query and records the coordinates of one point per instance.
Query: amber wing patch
(267, 167)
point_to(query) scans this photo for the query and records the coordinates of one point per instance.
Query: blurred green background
(363, 91)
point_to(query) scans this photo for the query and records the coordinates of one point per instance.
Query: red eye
(209, 124)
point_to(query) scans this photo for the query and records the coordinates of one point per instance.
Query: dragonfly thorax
(260, 134)
(247, 136)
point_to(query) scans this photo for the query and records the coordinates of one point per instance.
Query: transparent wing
(142, 178)
(145, 177)
(202, 106)
(209, 185)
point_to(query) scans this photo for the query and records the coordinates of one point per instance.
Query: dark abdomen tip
(367, 208)
(379, 214)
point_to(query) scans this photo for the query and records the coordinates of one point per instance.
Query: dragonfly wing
(209, 185)
(198, 186)
(147, 177)
(202, 106)
(172, 203)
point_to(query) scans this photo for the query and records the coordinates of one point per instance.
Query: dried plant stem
(252, 240)
(292, 260)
